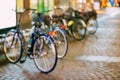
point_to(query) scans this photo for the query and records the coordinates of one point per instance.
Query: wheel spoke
(61, 43)
(46, 59)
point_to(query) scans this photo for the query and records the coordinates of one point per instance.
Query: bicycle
(47, 24)
(90, 19)
(60, 40)
(72, 25)
(42, 49)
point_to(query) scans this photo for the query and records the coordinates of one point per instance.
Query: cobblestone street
(97, 57)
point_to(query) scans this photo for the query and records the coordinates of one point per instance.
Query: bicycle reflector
(51, 33)
(70, 23)
(62, 26)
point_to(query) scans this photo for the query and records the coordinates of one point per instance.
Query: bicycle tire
(12, 45)
(92, 26)
(41, 48)
(79, 29)
(61, 43)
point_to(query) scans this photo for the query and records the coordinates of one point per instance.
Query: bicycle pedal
(32, 56)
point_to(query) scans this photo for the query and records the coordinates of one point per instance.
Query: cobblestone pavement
(97, 57)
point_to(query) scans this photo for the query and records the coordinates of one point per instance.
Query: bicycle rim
(61, 43)
(12, 47)
(46, 56)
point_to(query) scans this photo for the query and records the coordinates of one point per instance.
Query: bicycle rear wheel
(79, 30)
(92, 26)
(61, 43)
(45, 52)
(12, 47)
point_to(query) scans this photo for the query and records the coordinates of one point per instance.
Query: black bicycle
(40, 48)
(72, 25)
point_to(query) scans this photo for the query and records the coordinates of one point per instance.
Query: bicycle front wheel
(79, 30)
(61, 43)
(12, 47)
(45, 52)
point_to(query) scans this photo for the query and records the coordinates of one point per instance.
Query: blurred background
(8, 15)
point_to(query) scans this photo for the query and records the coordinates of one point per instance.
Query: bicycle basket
(25, 21)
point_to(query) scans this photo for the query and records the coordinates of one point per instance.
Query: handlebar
(47, 11)
(30, 9)
(33, 10)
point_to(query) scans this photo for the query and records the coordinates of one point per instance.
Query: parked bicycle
(41, 49)
(72, 25)
(47, 24)
(90, 19)
(60, 39)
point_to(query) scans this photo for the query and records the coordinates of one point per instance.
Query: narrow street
(97, 57)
